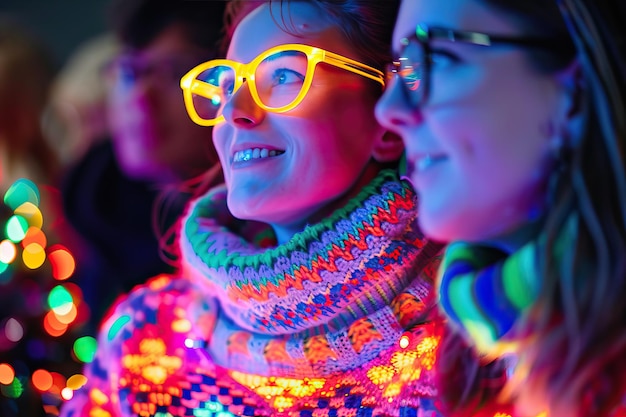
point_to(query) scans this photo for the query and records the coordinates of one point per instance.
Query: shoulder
(164, 306)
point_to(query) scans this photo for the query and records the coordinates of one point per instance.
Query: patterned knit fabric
(485, 291)
(331, 274)
(351, 327)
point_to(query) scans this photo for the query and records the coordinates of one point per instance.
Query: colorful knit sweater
(339, 321)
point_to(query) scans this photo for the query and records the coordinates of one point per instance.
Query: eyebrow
(285, 53)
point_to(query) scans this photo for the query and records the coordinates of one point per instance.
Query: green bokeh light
(14, 390)
(22, 191)
(16, 228)
(85, 348)
(59, 297)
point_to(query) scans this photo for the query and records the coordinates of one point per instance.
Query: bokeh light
(35, 235)
(4, 278)
(52, 325)
(13, 330)
(62, 262)
(8, 252)
(13, 390)
(31, 213)
(60, 300)
(85, 348)
(42, 380)
(76, 381)
(20, 192)
(33, 256)
(68, 317)
(7, 373)
(16, 228)
(58, 383)
(67, 393)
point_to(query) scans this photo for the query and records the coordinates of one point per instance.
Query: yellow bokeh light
(34, 256)
(31, 213)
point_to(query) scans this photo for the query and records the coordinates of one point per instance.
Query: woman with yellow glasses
(306, 288)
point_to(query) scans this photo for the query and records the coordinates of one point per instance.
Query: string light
(24, 249)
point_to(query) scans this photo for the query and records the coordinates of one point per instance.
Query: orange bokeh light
(42, 380)
(62, 261)
(52, 325)
(68, 317)
(7, 374)
(35, 235)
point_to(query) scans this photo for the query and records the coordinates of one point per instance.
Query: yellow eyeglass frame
(191, 85)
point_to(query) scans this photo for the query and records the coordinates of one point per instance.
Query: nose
(241, 110)
(394, 110)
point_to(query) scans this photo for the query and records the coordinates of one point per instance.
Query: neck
(511, 241)
(284, 232)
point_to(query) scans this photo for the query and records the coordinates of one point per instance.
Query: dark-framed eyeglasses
(414, 64)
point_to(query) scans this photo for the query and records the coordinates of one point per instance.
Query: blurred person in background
(26, 71)
(112, 195)
(76, 116)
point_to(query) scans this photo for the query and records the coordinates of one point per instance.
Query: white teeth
(255, 153)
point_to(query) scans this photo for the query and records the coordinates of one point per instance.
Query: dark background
(62, 25)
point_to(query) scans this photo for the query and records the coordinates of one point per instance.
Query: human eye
(283, 69)
(442, 58)
(283, 76)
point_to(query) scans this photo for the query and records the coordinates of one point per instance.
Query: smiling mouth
(255, 153)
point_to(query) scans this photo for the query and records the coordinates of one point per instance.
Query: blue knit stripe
(463, 302)
(492, 300)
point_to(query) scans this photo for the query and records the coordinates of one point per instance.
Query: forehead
(280, 23)
(471, 15)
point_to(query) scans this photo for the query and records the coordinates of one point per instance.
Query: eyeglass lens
(278, 80)
(413, 68)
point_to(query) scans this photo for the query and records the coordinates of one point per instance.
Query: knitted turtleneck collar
(485, 291)
(334, 272)
(343, 290)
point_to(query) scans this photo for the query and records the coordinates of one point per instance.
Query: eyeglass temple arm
(483, 39)
(200, 88)
(356, 67)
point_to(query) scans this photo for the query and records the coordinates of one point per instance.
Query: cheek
(220, 136)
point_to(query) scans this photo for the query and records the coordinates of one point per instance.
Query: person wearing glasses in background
(305, 287)
(514, 121)
(124, 195)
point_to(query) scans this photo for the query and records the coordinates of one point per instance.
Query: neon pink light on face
(283, 168)
(479, 148)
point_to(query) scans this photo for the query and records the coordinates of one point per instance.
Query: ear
(572, 110)
(388, 147)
